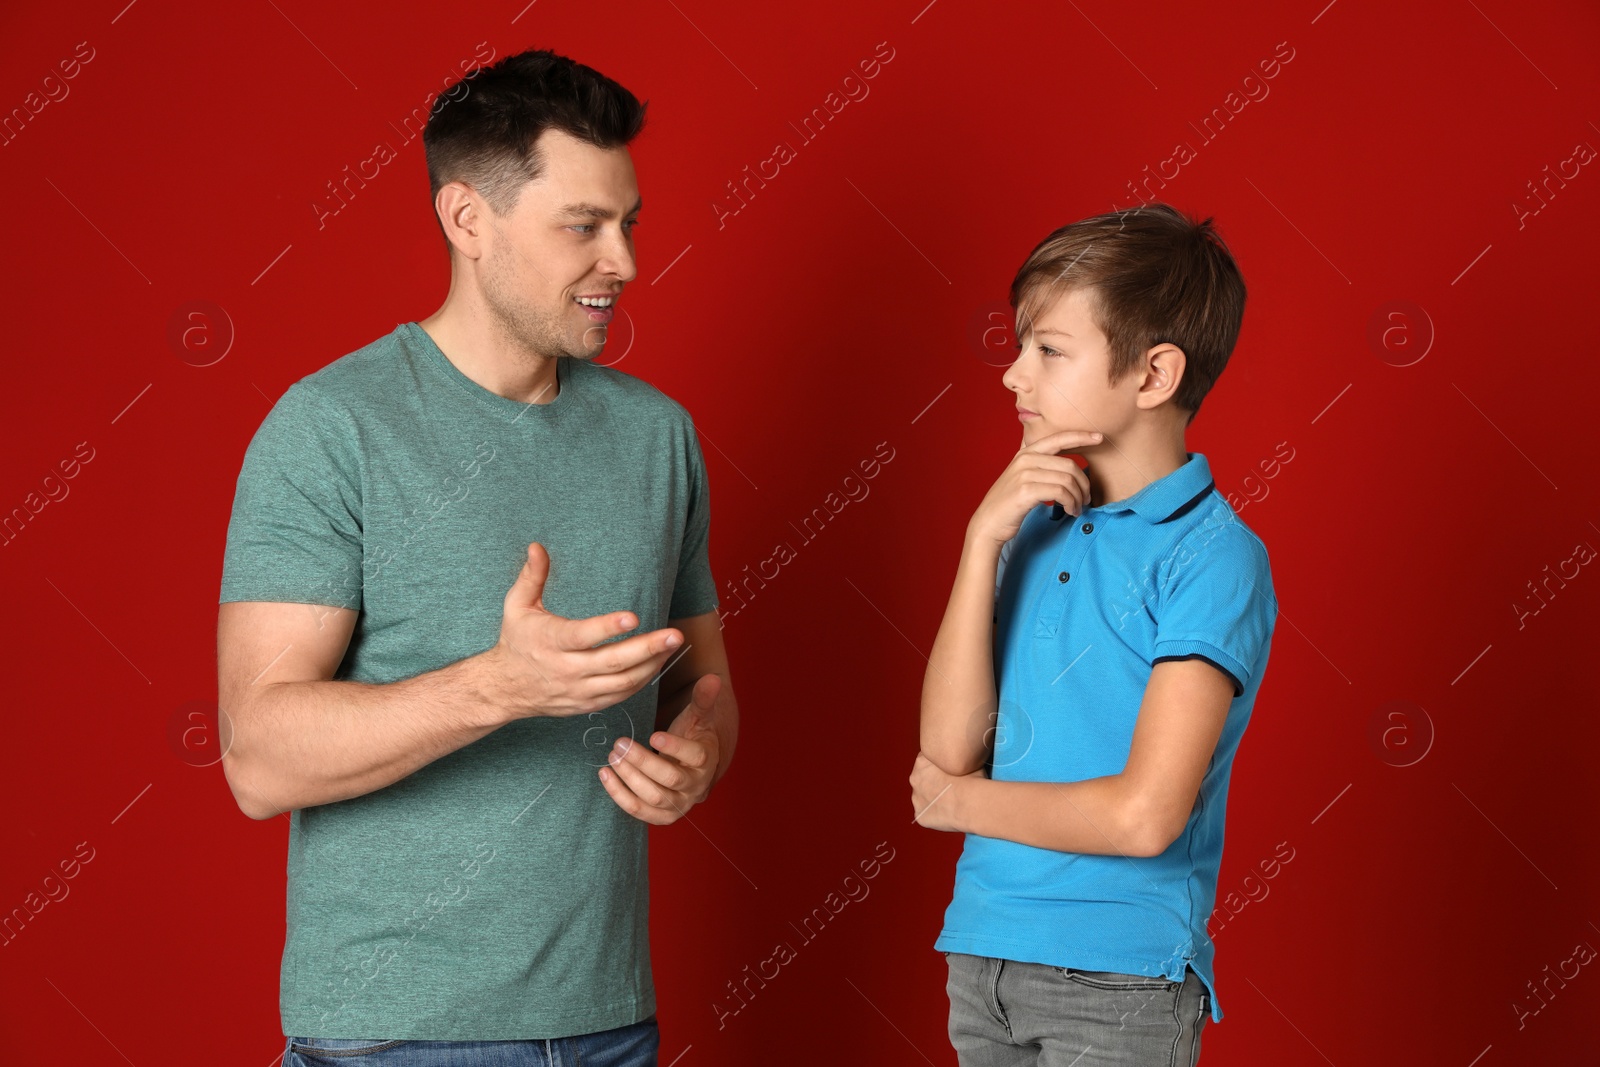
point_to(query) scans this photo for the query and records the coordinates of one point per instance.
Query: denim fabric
(1009, 1014)
(626, 1046)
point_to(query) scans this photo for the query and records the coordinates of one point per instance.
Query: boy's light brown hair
(1154, 276)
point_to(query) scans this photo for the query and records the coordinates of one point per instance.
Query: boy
(1132, 613)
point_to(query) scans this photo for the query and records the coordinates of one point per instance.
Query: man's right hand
(1038, 474)
(549, 665)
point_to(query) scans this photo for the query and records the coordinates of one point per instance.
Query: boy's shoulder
(1216, 534)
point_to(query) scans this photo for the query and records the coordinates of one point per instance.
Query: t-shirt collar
(1167, 496)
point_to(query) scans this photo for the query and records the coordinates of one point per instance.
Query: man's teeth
(596, 301)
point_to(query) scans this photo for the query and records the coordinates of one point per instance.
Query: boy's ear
(1164, 367)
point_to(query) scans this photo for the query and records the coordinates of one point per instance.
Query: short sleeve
(1217, 603)
(694, 590)
(295, 532)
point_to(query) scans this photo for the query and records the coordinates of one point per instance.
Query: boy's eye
(1046, 349)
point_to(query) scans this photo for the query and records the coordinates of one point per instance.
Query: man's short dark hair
(485, 125)
(1153, 276)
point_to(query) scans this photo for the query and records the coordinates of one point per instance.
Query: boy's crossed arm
(1137, 812)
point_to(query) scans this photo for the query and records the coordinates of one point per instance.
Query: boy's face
(1062, 374)
(570, 235)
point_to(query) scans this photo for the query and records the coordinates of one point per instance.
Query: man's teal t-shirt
(497, 893)
(1085, 607)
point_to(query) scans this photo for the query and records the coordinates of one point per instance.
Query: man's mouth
(597, 309)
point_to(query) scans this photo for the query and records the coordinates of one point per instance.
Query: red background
(832, 313)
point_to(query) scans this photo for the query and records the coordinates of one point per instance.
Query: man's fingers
(685, 750)
(662, 771)
(527, 591)
(578, 635)
(629, 801)
(643, 785)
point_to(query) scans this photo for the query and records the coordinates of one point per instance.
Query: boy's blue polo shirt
(1085, 607)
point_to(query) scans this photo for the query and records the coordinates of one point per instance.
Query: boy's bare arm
(1139, 811)
(958, 688)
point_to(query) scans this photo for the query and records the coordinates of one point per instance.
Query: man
(469, 770)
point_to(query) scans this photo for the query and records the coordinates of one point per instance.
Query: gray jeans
(1009, 1014)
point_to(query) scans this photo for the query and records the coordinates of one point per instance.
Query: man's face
(569, 236)
(1062, 373)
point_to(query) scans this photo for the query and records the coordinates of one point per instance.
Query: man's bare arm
(298, 739)
(294, 738)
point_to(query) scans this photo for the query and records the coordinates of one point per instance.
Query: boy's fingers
(1064, 439)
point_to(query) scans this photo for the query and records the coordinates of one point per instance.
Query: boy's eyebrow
(1055, 333)
(583, 210)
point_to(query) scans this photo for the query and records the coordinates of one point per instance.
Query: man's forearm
(725, 719)
(1094, 816)
(299, 744)
(958, 688)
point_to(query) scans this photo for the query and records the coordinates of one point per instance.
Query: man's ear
(461, 214)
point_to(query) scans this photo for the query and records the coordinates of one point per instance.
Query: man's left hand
(660, 787)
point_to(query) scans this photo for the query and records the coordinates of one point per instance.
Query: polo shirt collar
(1167, 496)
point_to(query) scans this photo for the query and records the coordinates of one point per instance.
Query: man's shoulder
(630, 396)
(368, 371)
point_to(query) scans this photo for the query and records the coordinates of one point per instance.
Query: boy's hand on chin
(936, 795)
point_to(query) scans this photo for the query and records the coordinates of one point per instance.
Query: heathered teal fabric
(499, 892)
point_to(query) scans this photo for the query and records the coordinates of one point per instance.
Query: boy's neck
(1119, 469)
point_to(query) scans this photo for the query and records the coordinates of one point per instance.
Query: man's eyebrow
(594, 211)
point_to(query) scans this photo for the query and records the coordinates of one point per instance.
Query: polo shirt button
(1063, 576)
(1088, 527)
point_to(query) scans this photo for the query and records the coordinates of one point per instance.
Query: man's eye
(583, 227)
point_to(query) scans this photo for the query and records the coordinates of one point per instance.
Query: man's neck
(485, 354)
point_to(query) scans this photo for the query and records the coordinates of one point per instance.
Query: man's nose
(618, 259)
